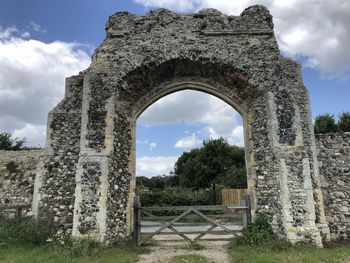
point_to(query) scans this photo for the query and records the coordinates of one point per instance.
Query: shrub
(325, 123)
(26, 231)
(74, 247)
(7, 142)
(176, 196)
(260, 233)
(344, 122)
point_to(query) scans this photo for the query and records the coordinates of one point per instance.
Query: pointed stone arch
(86, 182)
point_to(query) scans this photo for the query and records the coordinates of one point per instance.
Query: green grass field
(45, 255)
(334, 254)
(240, 254)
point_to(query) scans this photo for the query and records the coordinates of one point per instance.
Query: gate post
(246, 217)
(247, 203)
(137, 220)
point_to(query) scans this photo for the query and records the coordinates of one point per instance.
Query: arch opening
(167, 90)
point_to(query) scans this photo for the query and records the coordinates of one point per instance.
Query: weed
(193, 246)
(26, 231)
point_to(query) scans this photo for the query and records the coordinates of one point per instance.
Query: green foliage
(44, 255)
(26, 231)
(189, 258)
(344, 122)
(325, 123)
(291, 254)
(75, 247)
(260, 233)
(176, 196)
(9, 143)
(157, 182)
(193, 246)
(215, 162)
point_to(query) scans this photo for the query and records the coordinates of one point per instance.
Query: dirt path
(216, 252)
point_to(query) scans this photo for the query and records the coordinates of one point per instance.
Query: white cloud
(153, 166)
(36, 27)
(237, 136)
(32, 79)
(33, 134)
(187, 142)
(317, 30)
(152, 146)
(194, 108)
(181, 5)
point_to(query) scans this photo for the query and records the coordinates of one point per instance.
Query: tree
(7, 142)
(325, 123)
(157, 182)
(344, 122)
(215, 162)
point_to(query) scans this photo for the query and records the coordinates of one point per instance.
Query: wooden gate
(189, 223)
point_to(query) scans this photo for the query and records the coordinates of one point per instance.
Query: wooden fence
(232, 196)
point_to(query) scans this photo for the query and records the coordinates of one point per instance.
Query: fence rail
(191, 223)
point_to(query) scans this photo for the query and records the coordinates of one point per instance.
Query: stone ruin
(85, 179)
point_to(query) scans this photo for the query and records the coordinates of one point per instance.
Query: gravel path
(216, 252)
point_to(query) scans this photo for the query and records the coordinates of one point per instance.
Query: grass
(302, 254)
(193, 246)
(29, 240)
(45, 255)
(191, 258)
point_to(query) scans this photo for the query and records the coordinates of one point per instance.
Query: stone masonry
(86, 181)
(17, 175)
(18, 169)
(334, 160)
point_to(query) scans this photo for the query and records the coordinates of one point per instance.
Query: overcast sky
(42, 42)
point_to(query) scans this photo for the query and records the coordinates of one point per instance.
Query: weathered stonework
(86, 181)
(334, 159)
(17, 175)
(145, 57)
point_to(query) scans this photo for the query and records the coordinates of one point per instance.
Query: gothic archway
(86, 181)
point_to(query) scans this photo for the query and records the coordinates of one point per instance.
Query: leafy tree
(7, 142)
(344, 122)
(215, 162)
(325, 123)
(157, 182)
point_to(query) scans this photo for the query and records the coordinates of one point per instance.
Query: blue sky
(42, 42)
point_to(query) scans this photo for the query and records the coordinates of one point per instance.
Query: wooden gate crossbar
(163, 225)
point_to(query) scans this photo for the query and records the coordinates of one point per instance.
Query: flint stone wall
(88, 178)
(18, 169)
(17, 175)
(334, 161)
(86, 181)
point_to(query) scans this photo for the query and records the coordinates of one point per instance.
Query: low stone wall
(17, 175)
(334, 162)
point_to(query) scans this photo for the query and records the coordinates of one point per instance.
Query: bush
(9, 143)
(176, 196)
(26, 231)
(344, 122)
(260, 233)
(325, 123)
(74, 247)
